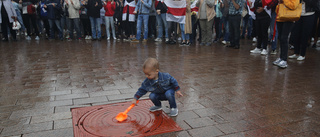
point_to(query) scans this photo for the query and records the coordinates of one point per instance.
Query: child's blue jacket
(164, 82)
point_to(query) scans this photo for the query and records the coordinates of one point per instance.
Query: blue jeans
(95, 27)
(226, 28)
(74, 23)
(168, 95)
(184, 35)
(145, 19)
(247, 22)
(57, 23)
(23, 28)
(109, 21)
(272, 23)
(162, 22)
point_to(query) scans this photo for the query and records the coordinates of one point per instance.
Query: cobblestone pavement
(228, 92)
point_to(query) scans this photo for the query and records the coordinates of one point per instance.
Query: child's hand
(134, 101)
(179, 94)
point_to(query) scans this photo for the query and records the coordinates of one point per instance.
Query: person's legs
(76, 22)
(46, 26)
(139, 23)
(26, 22)
(155, 98)
(70, 28)
(182, 32)
(160, 24)
(264, 32)
(51, 24)
(171, 98)
(58, 25)
(165, 24)
(232, 31)
(273, 27)
(244, 25)
(145, 24)
(307, 24)
(93, 27)
(98, 26)
(216, 27)
(284, 28)
(209, 29)
(203, 30)
(249, 27)
(107, 20)
(259, 32)
(4, 29)
(112, 27)
(20, 20)
(34, 24)
(236, 30)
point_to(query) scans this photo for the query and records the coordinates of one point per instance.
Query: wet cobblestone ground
(228, 92)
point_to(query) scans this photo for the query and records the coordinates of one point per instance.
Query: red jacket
(109, 8)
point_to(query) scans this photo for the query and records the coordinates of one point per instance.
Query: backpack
(31, 9)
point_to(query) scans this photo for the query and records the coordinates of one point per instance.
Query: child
(162, 85)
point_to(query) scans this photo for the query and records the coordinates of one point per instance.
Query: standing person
(118, 18)
(43, 14)
(224, 20)
(316, 26)
(143, 10)
(74, 17)
(284, 28)
(161, 21)
(206, 15)
(29, 14)
(273, 36)
(186, 29)
(263, 16)
(93, 11)
(303, 29)
(152, 30)
(217, 20)
(128, 19)
(7, 16)
(54, 9)
(109, 8)
(85, 22)
(16, 6)
(234, 17)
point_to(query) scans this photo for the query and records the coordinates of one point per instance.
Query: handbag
(284, 14)
(16, 25)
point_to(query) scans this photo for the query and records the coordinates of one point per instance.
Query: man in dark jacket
(93, 11)
(53, 8)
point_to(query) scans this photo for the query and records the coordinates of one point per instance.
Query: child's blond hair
(151, 62)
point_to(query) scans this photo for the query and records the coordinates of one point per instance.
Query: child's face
(151, 73)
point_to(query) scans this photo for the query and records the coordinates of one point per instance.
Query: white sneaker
(254, 39)
(28, 38)
(86, 37)
(277, 62)
(114, 38)
(264, 52)
(108, 38)
(224, 42)
(283, 64)
(256, 50)
(37, 38)
(158, 40)
(25, 33)
(294, 56)
(89, 37)
(300, 58)
(167, 39)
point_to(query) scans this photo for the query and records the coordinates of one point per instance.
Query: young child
(161, 85)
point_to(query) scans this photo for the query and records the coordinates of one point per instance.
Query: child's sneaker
(174, 112)
(155, 108)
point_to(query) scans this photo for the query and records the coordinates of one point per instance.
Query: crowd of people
(206, 21)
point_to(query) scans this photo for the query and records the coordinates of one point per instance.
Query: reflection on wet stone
(226, 92)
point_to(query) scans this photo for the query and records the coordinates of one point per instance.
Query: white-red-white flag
(176, 10)
(193, 7)
(131, 5)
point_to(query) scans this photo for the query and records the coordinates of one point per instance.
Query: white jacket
(73, 9)
(10, 10)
